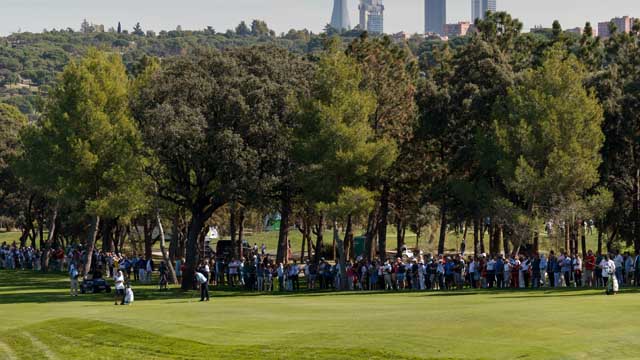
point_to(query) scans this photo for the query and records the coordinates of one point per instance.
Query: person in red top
(589, 268)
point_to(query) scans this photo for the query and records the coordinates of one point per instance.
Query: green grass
(453, 240)
(9, 236)
(39, 321)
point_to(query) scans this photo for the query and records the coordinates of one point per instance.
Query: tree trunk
(476, 236)
(614, 233)
(492, 245)
(399, 242)
(636, 211)
(536, 242)
(505, 242)
(600, 236)
(46, 247)
(91, 242)
(567, 238)
(341, 260)
(283, 236)
(309, 245)
(232, 230)
(241, 232)
(382, 224)
(191, 261)
(481, 229)
(371, 231)
(319, 238)
(333, 247)
(583, 240)
(172, 272)
(348, 238)
(148, 237)
(304, 242)
(443, 229)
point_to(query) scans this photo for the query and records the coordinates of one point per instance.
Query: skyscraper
(435, 16)
(340, 16)
(372, 16)
(479, 8)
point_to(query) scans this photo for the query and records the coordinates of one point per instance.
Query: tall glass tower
(435, 16)
(340, 16)
(479, 8)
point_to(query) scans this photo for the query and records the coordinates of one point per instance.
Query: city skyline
(282, 15)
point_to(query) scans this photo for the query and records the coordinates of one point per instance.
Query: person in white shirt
(387, 269)
(73, 277)
(422, 274)
(507, 273)
(141, 271)
(280, 272)
(608, 267)
(119, 281)
(149, 270)
(128, 296)
(629, 270)
(472, 272)
(619, 261)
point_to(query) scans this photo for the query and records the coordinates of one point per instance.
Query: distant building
(459, 29)
(539, 29)
(479, 8)
(401, 36)
(435, 16)
(576, 30)
(372, 16)
(340, 17)
(623, 24)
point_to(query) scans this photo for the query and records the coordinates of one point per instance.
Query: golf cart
(95, 284)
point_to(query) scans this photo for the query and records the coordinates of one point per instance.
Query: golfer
(119, 280)
(73, 277)
(204, 286)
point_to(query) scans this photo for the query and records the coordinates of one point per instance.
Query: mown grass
(39, 321)
(9, 236)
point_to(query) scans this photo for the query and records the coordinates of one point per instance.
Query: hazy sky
(281, 15)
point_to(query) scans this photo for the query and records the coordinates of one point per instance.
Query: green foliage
(11, 123)
(600, 202)
(336, 145)
(549, 129)
(356, 202)
(86, 148)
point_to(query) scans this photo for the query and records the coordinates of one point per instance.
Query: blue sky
(281, 15)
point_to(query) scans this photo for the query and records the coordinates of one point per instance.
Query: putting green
(38, 320)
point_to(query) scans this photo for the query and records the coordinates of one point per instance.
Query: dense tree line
(498, 133)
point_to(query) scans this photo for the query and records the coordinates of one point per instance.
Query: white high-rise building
(479, 8)
(372, 16)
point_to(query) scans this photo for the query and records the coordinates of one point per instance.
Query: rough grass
(40, 321)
